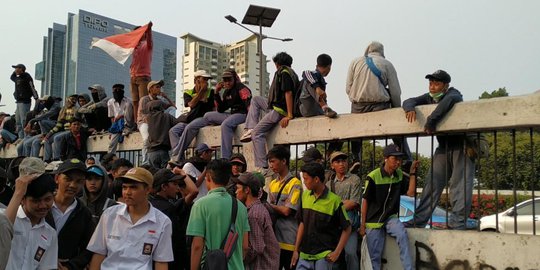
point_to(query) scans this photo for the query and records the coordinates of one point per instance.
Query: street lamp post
(259, 16)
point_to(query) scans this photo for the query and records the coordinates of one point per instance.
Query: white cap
(202, 73)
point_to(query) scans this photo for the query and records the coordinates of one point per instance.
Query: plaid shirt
(263, 250)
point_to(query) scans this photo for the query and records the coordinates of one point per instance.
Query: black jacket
(444, 105)
(24, 88)
(74, 237)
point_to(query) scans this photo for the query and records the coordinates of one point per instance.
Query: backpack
(217, 259)
(296, 98)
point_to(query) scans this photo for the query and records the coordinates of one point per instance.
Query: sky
(483, 44)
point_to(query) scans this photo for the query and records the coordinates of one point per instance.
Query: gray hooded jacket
(363, 85)
(101, 202)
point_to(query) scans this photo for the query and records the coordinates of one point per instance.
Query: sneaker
(355, 168)
(246, 137)
(328, 112)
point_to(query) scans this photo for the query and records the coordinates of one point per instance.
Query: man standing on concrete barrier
(380, 206)
(450, 163)
(24, 91)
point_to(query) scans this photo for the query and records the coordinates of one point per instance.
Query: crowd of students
(172, 210)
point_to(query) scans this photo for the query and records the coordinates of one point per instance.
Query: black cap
(163, 176)
(249, 180)
(392, 150)
(70, 165)
(440, 76)
(19, 66)
(312, 154)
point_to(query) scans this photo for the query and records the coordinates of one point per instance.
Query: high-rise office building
(214, 58)
(69, 66)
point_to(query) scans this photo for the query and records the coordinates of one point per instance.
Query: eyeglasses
(227, 79)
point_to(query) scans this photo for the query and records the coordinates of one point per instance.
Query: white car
(523, 214)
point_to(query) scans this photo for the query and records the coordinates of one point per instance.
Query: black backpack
(217, 259)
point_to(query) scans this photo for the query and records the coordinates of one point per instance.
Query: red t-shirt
(141, 61)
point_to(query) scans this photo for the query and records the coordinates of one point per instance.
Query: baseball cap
(440, 76)
(97, 87)
(164, 176)
(392, 150)
(70, 165)
(152, 83)
(139, 174)
(201, 73)
(202, 148)
(237, 160)
(337, 154)
(31, 165)
(228, 73)
(249, 180)
(19, 66)
(312, 154)
(96, 170)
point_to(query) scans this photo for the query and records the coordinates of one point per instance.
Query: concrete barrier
(446, 249)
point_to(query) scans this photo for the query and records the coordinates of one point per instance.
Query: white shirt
(114, 109)
(60, 217)
(132, 246)
(32, 247)
(194, 172)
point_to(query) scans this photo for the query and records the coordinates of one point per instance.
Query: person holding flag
(139, 43)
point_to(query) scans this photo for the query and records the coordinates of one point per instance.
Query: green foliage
(499, 173)
(501, 92)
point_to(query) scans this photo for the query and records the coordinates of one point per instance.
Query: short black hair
(41, 186)
(314, 169)
(324, 60)
(121, 162)
(107, 160)
(91, 158)
(219, 170)
(116, 189)
(283, 59)
(280, 152)
(118, 86)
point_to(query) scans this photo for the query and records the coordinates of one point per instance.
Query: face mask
(118, 96)
(95, 97)
(436, 96)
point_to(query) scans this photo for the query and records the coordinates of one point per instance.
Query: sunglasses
(227, 79)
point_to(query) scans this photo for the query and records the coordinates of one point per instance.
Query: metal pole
(261, 65)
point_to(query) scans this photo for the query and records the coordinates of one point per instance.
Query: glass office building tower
(69, 66)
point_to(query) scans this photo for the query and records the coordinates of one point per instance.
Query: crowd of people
(173, 211)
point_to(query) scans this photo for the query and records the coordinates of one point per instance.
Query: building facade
(214, 58)
(69, 66)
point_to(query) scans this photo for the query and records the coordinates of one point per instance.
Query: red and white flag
(120, 46)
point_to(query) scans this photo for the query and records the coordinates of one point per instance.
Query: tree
(501, 92)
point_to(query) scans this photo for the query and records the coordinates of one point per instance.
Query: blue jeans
(456, 168)
(20, 117)
(190, 132)
(258, 136)
(174, 137)
(375, 241)
(46, 125)
(321, 264)
(351, 249)
(47, 147)
(228, 123)
(7, 136)
(257, 106)
(60, 141)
